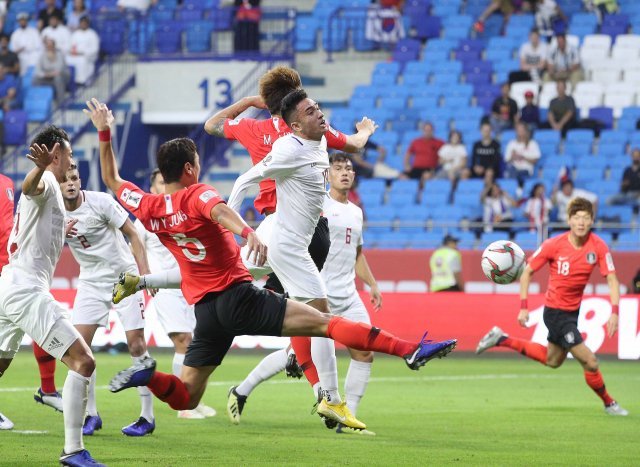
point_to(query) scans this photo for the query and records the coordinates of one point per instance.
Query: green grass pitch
(462, 410)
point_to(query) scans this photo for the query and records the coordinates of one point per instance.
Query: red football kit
(6, 217)
(570, 268)
(207, 253)
(257, 136)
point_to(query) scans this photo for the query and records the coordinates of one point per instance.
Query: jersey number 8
(183, 241)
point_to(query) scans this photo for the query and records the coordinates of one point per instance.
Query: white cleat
(190, 414)
(53, 400)
(5, 423)
(490, 339)
(616, 410)
(206, 411)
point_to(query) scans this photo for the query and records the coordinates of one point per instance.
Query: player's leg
(46, 394)
(496, 337)
(92, 421)
(10, 338)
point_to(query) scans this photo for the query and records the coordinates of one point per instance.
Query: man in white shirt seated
(58, 32)
(26, 42)
(85, 45)
(567, 193)
(533, 59)
(563, 62)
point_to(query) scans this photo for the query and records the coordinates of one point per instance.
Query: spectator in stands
(630, 184)
(52, 70)
(246, 27)
(506, 7)
(446, 267)
(250, 216)
(497, 204)
(425, 155)
(45, 14)
(78, 11)
(561, 198)
(58, 32)
(8, 89)
(138, 6)
(378, 168)
(452, 158)
(562, 115)
(85, 45)
(533, 60)
(8, 59)
(602, 7)
(548, 12)
(530, 113)
(538, 207)
(563, 62)
(521, 154)
(486, 155)
(26, 42)
(504, 111)
(395, 4)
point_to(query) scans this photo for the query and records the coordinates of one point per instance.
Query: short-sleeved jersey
(345, 232)
(160, 259)
(37, 236)
(570, 268)
(6, 217)
(99, 246)
(258, 136)
(207, 253)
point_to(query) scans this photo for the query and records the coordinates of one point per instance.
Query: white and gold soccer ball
(503, 262)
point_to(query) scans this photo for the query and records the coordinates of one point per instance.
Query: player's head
(71, 185)
(62, 158)
(178, 161)
(341, 174)
(275, 84)
(156, 182)
(303, 115)
(580, 216)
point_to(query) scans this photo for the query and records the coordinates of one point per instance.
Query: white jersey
(345, 230)
(99, 246)
(37, 237)
(160, 258)
(298, 167)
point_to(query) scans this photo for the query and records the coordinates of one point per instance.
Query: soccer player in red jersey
(571, 257)
(197, 227)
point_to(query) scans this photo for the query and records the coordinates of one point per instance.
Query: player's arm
(356, 142)
(32, 185)
(215, 124)
(231, 220)
(137, 246)
(363, 271)
(614, 294)
(245, 181)
(525, 280)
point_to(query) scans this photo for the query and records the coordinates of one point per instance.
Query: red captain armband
(615, 309)
(104, 135)
(246, 231)
(524, 304)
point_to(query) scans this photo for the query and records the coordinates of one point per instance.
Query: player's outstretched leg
(46, 394)
(496, 337)
(5, 423)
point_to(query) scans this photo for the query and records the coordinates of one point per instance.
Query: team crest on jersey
(569, 337)
(130, 198)
(207, 195)
(591, 258)
(10, 194)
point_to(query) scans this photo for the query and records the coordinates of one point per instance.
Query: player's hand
(257, 101)
(69, 230)
(367, 124)
(41, 156)
(257, 248)
(376, 298)
(612, 325)
(100, 114)
(523, 317)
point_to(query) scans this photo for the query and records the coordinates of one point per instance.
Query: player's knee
(365, 357)
(84, 364)
(181, 341)
(137, 346)
(591, 364)
(554, 363)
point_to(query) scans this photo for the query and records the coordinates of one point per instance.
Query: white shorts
(173, 311)
(24, 310)
(288, 256)
(350, 308)
(93, 303)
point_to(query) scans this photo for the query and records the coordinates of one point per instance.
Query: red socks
(302, 347)
(594, 381)
(361, 336)
(527, 348)
(170, 389)
(47, 367)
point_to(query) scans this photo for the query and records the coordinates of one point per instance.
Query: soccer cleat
(235, 405)
(339, 413)
(329, 423)
(79, 459)
(292, 368)
(428, 350)
(136, 375)
(140, 427)
(127, 285)
(5, 423)
(190, 414)
(92, 423)
(206, 411)
(490, 339)
(345, 430)
(53, 400)
(615, 409)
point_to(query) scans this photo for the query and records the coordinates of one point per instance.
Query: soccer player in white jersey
(174, 313)
(26, 303)
(101, 250)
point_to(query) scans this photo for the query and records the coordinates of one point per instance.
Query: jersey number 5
(183, 241)
(563, 268)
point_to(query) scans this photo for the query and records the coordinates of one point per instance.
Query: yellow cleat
(345, 430)
(235, 405)
(127, 285)
(340, 413)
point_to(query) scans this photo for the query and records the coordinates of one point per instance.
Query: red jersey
(207, 253)
(6, 217)
(425, 152)
(257, 136)
(570, 268)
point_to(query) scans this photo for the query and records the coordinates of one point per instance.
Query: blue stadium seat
(189, 13)
(405, 186)
(393, 103)
(383, 217)
(364, 91)
(467, 55)
(585, 176)
(489, 237)
(394, 240)
(426, 240)
(441, 43)
(412, 218)
(168, 37)
(406, 50)
(477, 66)
(454, 21)
(613, 136)
(15, 127)
(448, 214)
(37, 103)
(198, 36)
(371, 200)
(334, 38)
(371, 185)
(602, 114)
(418, 67)
(580, 136)
(578, 149)
(449, 67)
(509, 185)
(427, 27)
(527, 240)
(306, 33)
(547, 136)
(399, 199)
(611, 150)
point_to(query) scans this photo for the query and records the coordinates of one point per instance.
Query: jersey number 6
(184, 241)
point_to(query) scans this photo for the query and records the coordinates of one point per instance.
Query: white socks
(92, 408)
(323, 354)
(178, 361)
(356, 383)
(146, 398)
(169, 279)
(74, 404)
(270, 366)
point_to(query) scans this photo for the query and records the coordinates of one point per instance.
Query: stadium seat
(38, 102)
(426, 240)
(489, 237)
(381, 219)
(627, 46)
(587, 95)
(15, 127)
(168, 37)
(393, 103)
(618, 96)
(611, 150)
(306, 33)
(198, 36)
(406, 50)
(631, 76)
(519, 88)
(604, 115)
(394, 240)
(412, 218)
(334, 38)
(613, 30)
(605, 75)
(527, 240)
(427, 27)
(405, 186)
(597, 41)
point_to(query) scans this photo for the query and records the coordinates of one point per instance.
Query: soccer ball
(503, 262)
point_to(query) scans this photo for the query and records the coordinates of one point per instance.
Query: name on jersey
(131, 198)
(168, 222)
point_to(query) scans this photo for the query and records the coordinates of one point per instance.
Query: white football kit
(174, 313)
(298, 167)
(102, 252)
(345, 231)
(26, 304)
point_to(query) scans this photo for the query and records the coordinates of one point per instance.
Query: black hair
(534, 189)
(50, 136)
(289, 104)
(338, 157)
(456, 132)
(173, 155)
(561, 34)
(154, 175)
